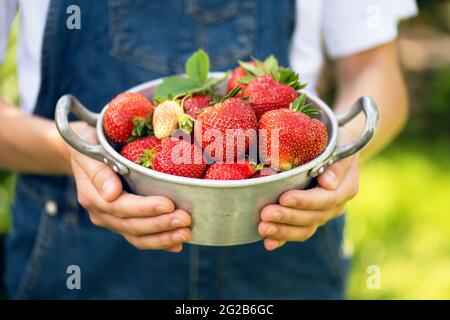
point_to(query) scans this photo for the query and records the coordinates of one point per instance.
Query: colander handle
(369, 107)
(67, 104)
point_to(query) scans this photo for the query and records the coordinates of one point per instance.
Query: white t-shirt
(345, 27)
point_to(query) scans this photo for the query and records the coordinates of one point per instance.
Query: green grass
(400, 221)
(8, 89)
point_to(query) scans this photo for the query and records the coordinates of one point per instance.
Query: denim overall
(122, 43)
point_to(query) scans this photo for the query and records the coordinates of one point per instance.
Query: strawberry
(127, 116)
(300, 138)
(194, 105)
(233, 116)
(230, 171)
(176, 157)
(247, 71)
(165, 118)
(266, 94)
(134, 150)
(237, 74)
(319, 142)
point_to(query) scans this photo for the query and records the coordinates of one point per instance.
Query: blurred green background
(400, 221)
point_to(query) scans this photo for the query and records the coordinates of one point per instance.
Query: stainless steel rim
(105, 152)
(332, 141)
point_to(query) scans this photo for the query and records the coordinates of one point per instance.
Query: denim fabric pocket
(33, 269)
(208, 12)
(160, 35)
(44, 214)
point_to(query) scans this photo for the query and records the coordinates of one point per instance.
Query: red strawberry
(233, 120)
(320, 139)
(266, 94)
(230, 171)
(176, 157)
(237, 74)
(300, 138)
(126, 116)
(194, 105)
(134, 150)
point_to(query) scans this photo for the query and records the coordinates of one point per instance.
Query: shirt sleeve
(351, 26)
(8, 10)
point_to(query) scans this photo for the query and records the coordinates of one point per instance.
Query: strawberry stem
(259, 166)
(142, 127)
(146, 159)
(299, 105)
(271, 67)
(186, 123)
(230, 94)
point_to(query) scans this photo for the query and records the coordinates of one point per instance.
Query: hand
(145, 222)
(301, 212)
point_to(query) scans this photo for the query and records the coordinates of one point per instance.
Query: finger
(350, 186)
(126, 206)
(301, 218)
(311, 199)
(176, 249)
(146, 226)
(103, 178)
(321, 199)
(285, 215)
(163, 240)
(333, 176)
(130, 205)
(272, 244)
(285, 232)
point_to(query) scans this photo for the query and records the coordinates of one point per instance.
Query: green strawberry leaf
(271, 64)
(257, 70)
(230, 94)
(196, 79)
(246, 79)
(142, 128)
(259, 166)
(212, 81)
(186, 124)
(299, 105)
(174, 86)
(197, 67)
(271, 67)
(287, 76)
(146, 159)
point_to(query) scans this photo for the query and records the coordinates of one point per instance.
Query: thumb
(104, 179)
(333, 176)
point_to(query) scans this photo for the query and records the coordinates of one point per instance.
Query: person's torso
(305, 58)
(122, 43)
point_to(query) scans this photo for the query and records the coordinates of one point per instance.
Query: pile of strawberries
(261, 127)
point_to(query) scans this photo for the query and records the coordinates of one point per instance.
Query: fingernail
(275, 216)
(271, 230)
(177, 223)
(162, 209)
(290, 203)
(178, 237)
(108, 188)
(331, 179)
